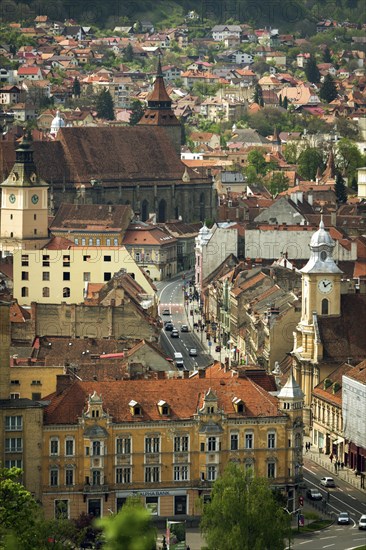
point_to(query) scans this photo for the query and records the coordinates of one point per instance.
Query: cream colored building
(62, 271)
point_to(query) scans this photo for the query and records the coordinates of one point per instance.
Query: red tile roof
(184, 396)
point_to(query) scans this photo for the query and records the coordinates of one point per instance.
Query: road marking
(331, 537)
(305, 542)
(328, 545)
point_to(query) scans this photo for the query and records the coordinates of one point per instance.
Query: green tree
(312, 71)
(327, 57)
(256, 159)
(279, 182)
(328, 90)
(76, 87)
(243, 514)
(137, 111)
(130, 529)
(18, 508)
(340, 189)
(104, 105)
(285, 102)
(128, 53)
(348, 158)
(308, 163)
(258, 95)
(291, 152)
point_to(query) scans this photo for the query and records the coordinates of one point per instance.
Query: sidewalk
(346, 474)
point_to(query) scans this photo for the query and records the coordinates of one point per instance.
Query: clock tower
(321, 296)
(24, 204)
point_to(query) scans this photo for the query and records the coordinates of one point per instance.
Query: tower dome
(56, 124)
(321, 255)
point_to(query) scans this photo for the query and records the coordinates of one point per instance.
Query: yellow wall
(82, 260)
(33, 379)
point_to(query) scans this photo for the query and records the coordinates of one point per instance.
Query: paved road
(171, 296)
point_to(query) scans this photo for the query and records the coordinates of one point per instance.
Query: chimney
(62, 383)
(201, 373)
(186, 374)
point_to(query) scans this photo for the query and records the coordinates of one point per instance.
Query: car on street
(169, 326)
(343, 518)
(327, 482)
(193, 352)
(362, 522)
(314, 494)
(184, 328)
(166, 312)
(175, 333)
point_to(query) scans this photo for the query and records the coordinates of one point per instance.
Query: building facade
(143, 438)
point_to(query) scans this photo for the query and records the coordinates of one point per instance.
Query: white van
(178, 357)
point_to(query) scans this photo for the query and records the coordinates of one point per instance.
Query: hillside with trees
(112, 12)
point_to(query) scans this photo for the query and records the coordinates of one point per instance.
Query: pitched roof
(88, 216)
(184, 396)
(343, 337)
(111, 154)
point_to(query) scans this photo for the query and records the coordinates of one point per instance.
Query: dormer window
(238, 405)
(135, 408)
(164, 409)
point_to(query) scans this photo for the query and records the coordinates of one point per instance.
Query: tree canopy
(328, 90)
(348, 158)
(243, 514)
(130, 529)
(311, 70)
(340, 189)
(308, 163)
(105, 105)
(137, 111)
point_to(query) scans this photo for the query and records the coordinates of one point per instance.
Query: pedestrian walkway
(346, 474)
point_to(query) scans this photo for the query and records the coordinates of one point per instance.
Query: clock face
(325, 286)
(34, 199)
(12, 198)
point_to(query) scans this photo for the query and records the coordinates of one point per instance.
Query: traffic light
(301, 501)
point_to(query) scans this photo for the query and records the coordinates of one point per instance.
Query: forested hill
(292, 15)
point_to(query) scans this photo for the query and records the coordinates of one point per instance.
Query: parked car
(184, 328)
(193, 352)
(175, 333)
(343, 518)
(362, 522)
(169, 326)
(166, 312)
(314, 494)
(327, 482)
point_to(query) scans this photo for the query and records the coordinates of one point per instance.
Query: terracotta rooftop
(184, 396)
(343, 337)
(143, 234)
(87, 216)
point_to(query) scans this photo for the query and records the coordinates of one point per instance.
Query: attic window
(163, 407)
(238, 404)
(135, 408)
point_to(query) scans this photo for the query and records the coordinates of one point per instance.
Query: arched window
(46, 292)
(144, 210)
(325, 306)
(66, 292)
(162, 211)
(25, 292)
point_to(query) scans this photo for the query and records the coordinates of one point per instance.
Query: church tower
(159, 111)
(321, 296)
(24, 204)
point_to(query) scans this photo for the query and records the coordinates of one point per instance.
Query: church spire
(329, 172)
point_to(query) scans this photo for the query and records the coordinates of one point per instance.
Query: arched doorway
(162, 211)
(144, 210)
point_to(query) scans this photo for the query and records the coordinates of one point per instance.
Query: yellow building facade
(61, 275)
(165, 440)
